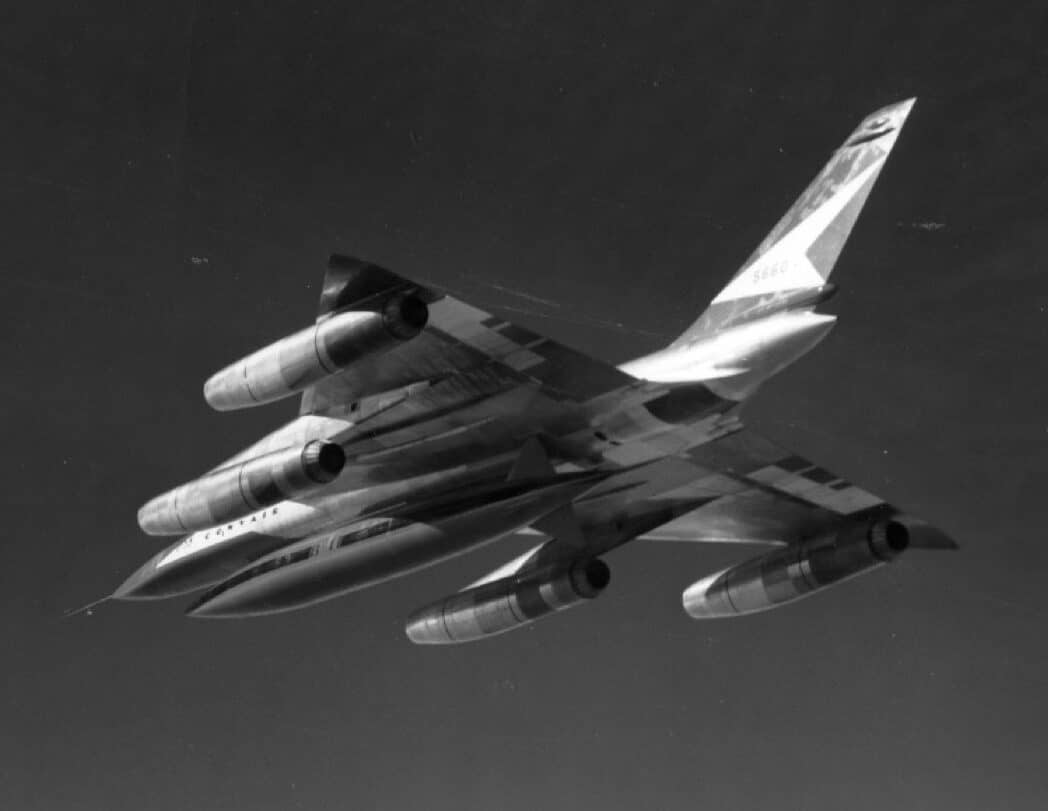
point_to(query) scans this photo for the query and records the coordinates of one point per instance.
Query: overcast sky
(173, 178)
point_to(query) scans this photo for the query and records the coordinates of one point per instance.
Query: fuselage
(379, 549)
(682, 398)
(204, 557)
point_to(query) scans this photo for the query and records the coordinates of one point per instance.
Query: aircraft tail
(791, 267)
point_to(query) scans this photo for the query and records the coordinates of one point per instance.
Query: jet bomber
(428, 428)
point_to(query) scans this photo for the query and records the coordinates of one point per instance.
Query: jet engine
(293, 363)
(795, 571)
(233, 492)
(502, 605)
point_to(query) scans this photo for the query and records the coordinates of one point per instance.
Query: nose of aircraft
(152, 581)
(139, 584)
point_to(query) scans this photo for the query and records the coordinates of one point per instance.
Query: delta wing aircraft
(429, 427)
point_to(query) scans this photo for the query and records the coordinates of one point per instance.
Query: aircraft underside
(428, 428)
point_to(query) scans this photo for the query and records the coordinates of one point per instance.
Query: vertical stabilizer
(791, 267)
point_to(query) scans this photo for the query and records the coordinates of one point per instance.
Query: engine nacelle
(236, 491)
(296, 362)
(795, 571)
(503, 605)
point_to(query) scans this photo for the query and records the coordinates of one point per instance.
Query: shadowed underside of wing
(458, 338)
(738, 489)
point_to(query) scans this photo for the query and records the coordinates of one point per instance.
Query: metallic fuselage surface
(379, 549)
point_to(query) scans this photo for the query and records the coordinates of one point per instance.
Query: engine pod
(502, 605)
(234, 492)
(296, 362)
(795, 571)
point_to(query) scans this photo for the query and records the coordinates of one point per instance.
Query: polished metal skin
(503, 605)
(770, 344)
(237, 491)
(850, 548)
(459, 427)
(380, 549)
(771, 296)
(293, 363)
(788, 574)
(206, 557)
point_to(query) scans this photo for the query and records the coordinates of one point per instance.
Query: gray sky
(174, 176)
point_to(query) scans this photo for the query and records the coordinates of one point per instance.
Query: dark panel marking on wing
(685, 405)
(793, 464)
(519, 335)
(573, 374)
(818, 474)
(740, 452)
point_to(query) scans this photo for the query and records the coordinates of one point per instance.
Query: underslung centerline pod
(379, 549)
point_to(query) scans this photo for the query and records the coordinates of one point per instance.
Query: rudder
(791, 266)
